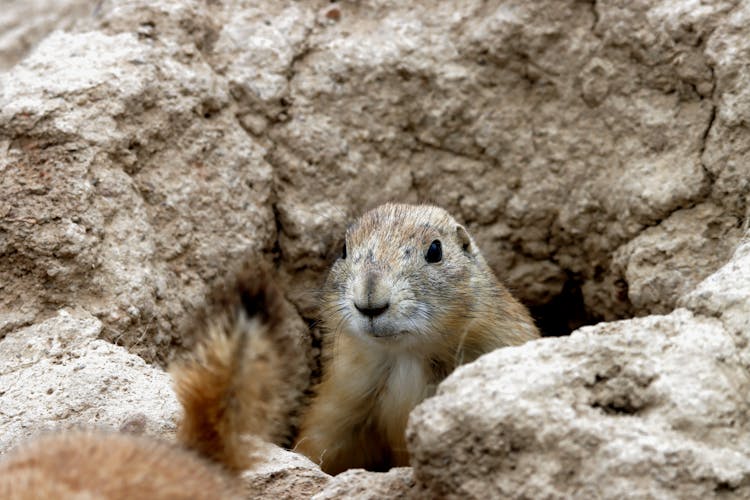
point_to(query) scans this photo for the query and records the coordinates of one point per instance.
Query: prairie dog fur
(236, 383)
(410, 299)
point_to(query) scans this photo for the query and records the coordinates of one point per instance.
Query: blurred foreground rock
(23, 23)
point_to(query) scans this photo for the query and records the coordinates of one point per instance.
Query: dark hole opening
(564, 313)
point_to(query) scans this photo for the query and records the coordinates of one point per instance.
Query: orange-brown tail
(245, 376)
(238, 380)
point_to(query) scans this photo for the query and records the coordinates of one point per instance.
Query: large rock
(597, 150)
(650, 407)
(23, 23)
(559, 131)
(726, 295)
(594, 150)
(283, 474)
(646, 408)
(126, 186)
(58, 374)
(363, 485)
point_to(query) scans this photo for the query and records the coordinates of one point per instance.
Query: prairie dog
(236, 383)
(409, 299)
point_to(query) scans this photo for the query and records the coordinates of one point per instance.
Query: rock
(132, 188)
(23, 23)
(559, 131)
(58, 374)
(666, 261)
(725, 295)
(283, 474)
(579, 143)
(267, 35)
(727, 143)
(652, 407)
(363, 485)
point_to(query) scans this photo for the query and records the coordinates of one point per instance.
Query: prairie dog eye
(434, 253)
(343, 252)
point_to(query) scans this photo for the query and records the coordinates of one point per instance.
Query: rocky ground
(599, 152)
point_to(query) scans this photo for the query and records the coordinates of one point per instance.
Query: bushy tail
(242, 375)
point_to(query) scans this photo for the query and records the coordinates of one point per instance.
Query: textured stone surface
(647, 408)
(24, 22)
(57, 374)
(283, 474)
(126, 186)
(668, 260)
(559, 131)
(592, 149)
(363, 485)
(726, 296)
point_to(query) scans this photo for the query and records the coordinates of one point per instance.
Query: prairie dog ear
(464, 239)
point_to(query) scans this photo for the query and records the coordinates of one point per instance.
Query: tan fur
(231, 385)
(225, 390)
(99, 465)
(438, 316)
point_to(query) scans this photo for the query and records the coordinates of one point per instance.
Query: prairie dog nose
(371, 295)
(372, 311)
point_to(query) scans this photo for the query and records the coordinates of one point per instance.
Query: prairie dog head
(407, 273)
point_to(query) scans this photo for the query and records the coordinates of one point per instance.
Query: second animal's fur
(235, 384)
(409, 299)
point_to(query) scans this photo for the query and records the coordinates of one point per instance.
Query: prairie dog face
(404, 274)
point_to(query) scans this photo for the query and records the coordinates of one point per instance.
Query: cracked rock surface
(598, 151)
(652, 407)
(585, 145)
(23, 23)
(57, 374)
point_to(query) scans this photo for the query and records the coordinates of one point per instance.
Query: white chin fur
(384, 327)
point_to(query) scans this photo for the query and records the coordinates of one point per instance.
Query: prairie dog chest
(406, 383)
